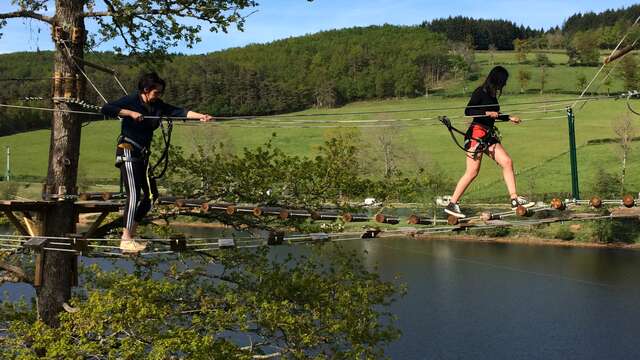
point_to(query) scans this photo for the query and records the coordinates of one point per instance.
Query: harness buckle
(121, 159)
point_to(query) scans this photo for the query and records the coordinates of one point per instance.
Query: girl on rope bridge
(141, 112)
(482, 137)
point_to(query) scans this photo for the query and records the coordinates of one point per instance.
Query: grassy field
(417, 143)
(559, 78)
(423, 143)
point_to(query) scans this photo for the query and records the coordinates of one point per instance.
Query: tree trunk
(64, 152)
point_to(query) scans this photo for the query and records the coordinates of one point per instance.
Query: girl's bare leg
(473, 168)
(502, 158)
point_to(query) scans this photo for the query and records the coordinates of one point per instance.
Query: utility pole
(575, 190)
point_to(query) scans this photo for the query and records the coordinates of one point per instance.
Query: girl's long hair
(495, 81)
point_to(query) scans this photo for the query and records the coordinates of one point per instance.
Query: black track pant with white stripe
(134, 174)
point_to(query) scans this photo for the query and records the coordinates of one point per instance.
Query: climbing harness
(491, 136)
(128, 143)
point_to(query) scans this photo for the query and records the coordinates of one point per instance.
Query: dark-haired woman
(483, 138)
(140, 113)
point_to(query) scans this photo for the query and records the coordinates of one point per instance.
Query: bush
(500, 231)
(564, 233)
(616, 230)
(606, 185)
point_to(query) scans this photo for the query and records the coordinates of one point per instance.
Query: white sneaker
(521, 201)
(454, 209)
(132, 246)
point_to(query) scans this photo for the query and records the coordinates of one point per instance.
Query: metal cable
(72, 60)
(603, 97)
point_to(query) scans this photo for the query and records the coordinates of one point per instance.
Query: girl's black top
(141, 132)
(481, 102)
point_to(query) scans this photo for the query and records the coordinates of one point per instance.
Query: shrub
(564, 233)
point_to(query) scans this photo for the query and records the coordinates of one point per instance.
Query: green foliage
(581, 82)
(628, 71)
(615, 230)
(523, 77)
(521, 48)
(266, 175)
(481, 32)
(322, 70)
(618, 18)
(326, 227)
(323, 306)
(606, 185)
(149, 27)
(563, 232)
(542, 60)
(498, 231)
(586, 46)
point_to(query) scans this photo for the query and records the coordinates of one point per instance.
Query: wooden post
(596, 202)
(416, 219)
(628, 201)
(387, 219)
(37, 245)
(349, 217)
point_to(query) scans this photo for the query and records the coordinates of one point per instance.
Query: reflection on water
(471, 300)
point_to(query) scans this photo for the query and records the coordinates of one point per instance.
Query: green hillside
(417, 144)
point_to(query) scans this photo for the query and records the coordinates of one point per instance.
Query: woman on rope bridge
(141, 112)
(483, 137)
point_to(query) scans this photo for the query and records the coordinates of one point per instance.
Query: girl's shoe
(521, 201)
(454, 209)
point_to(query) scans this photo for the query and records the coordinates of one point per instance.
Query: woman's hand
(515, 119)
(136, 116)
(492, 114)
(199, 116)
(206, 118)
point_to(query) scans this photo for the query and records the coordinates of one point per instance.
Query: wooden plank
(84, 207)
(497, 223)
(625, 212)
(15, 205)
(14, 220)
(32, 226)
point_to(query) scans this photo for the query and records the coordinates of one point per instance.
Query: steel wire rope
(73, 61)
(591, 98)
(366, 121)
(322, 114)
(277, 126)
(330, 237)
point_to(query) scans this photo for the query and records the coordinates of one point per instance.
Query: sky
(278, 19)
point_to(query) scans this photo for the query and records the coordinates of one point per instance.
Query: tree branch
(18, 275)
(27, 14)
(95, 14)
